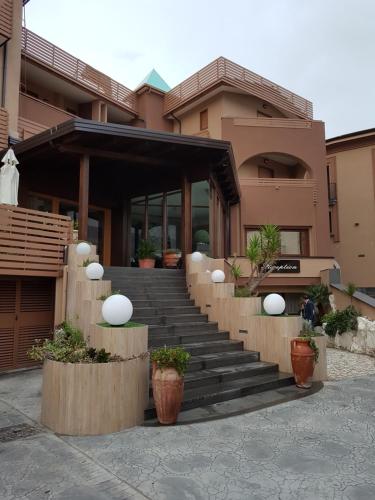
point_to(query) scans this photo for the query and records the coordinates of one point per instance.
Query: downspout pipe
(178, 121)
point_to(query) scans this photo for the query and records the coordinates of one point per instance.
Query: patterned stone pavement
(344, 364)
(317, 448)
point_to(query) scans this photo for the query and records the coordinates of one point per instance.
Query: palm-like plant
(262, 251)
(319, 294)
(350, 290)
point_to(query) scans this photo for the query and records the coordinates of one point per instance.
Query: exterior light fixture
(217, 276)
(83, 248)
(196, 257)
(94, 271)
(274, 304)
(117, 310)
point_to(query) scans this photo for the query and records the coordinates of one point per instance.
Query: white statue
(9, 179)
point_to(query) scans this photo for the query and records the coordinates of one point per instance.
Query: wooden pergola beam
(83, 202)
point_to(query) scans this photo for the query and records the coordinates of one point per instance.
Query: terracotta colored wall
(40, 112)
(150, 109)
(355, 205)
(284, 205)
(190, 121)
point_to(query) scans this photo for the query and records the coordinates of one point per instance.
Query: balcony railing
(3, 128)
(6, 18)
(332, 193)
(44, 52)
(32, 243)
(223, 70)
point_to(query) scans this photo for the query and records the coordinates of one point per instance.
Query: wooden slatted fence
(48, 54)
(6, 18)
(32, 243)
(223, 70)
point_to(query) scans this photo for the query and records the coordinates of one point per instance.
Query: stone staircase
(219, 368)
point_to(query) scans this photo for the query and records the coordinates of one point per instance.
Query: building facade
(197, 167)
(351, 179)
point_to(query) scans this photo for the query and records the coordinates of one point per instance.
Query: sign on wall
(286, 266)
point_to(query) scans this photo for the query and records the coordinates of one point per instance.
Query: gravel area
(345, 364)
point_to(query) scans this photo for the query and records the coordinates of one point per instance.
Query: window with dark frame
(204, 119)
(294, 242)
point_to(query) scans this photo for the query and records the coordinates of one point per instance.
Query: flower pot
(303, 362)
(168, 389)
(171, 259)
(146, 263)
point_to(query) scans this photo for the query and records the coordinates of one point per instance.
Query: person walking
(308, 312)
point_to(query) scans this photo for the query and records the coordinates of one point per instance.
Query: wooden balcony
(224, 71)
(6, 19)
(32, 243)
(3, 128)
(41, 51)
(36, 116)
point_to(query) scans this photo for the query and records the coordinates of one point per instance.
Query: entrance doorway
(156, 217)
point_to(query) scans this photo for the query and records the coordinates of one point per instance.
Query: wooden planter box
(126, 342)
(81, 399)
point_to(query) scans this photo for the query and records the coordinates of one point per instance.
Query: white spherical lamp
(117, 310)
(196, 257)
(274, 304)
(83, 248)
(94, 271)
(218, 276)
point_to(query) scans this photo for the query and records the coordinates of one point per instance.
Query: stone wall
(361, 341)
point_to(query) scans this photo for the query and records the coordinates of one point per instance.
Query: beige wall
(190, 121)
(246, 106)
(356, 214)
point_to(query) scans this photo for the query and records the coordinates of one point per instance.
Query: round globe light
(218, 276)
(117, 310)
(196, 257)
(274, 304)
(83, 248)
(94, 271)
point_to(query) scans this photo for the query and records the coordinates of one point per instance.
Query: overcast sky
(323, 50)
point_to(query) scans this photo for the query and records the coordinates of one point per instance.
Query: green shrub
(341, 321)
(86, 262)
(68, 346)
(171, 357)
(242, 291)
(109, 294)
(308, 333)
(146, 249)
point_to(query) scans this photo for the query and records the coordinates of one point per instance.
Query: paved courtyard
(319, 447)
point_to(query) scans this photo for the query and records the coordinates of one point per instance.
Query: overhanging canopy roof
(137, 147)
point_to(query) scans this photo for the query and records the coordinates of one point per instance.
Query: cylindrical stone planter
(127, 343)
(81, 399)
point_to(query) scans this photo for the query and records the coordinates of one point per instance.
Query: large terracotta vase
(167, 389)
(146, 263)
(303, 362)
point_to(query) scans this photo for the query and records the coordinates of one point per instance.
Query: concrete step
(147, 295)
(136, 271)
(221, 359)
(165, 311)
(179, 328)
(199, 348)
(225, 391)
(162, 303)
(161, 340)
(170, 320)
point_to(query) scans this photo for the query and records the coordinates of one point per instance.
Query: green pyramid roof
(155, 80)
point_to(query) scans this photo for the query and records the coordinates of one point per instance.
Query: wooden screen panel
(7, 319)
(35, 316)
(26, 314)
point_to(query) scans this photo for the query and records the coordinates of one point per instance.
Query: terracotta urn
(167, 389)
(146, 263)
(303, 362)
(170, 259)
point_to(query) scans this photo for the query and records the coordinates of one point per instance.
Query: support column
(186, 217)
(83, 210)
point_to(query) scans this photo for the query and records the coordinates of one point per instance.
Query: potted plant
(86, 391)
(146, 254)
(169, 365)
(171, 256)
(304, 355)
